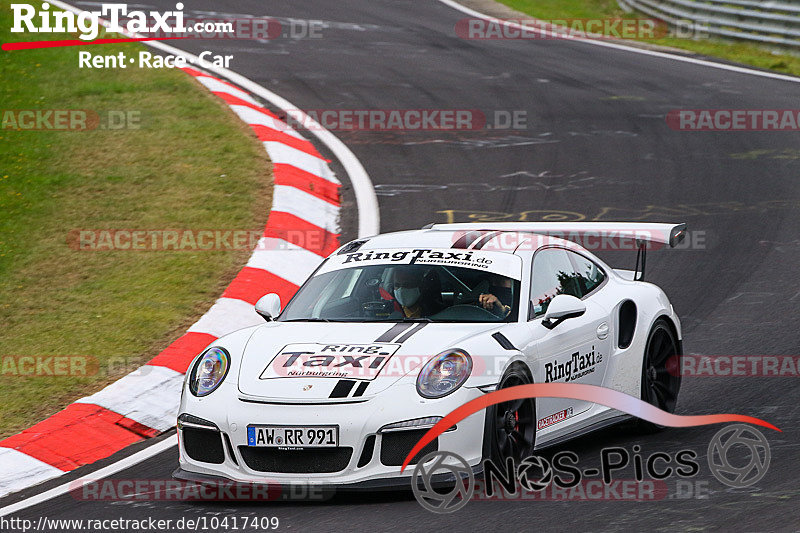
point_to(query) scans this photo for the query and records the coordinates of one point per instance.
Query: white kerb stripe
(306, 206)
(149, 395)
(20, 470)
(215, 85)
(226, 316)
(281, 153)
(253, 117)
(117, 466)
(285, 260)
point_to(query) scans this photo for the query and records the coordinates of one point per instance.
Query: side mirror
(269, 306)
(561, 308)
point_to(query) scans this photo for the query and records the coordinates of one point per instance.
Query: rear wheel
(513, 424)
(661, 381)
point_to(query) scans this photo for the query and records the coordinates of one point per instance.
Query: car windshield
(406, 292)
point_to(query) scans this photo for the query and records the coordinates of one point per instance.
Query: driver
(499, 297)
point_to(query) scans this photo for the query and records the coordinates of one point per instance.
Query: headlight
(444, 374)
(209, 371)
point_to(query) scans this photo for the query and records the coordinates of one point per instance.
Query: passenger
(408, 292)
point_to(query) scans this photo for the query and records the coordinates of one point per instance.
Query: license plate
(293, 436)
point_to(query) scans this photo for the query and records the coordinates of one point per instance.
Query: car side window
(553, 274)
(589, 275)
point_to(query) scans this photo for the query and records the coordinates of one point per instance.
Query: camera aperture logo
(460, 477)
(730, 471)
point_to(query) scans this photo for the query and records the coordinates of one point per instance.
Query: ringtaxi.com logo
(87, 23)
(118, 19)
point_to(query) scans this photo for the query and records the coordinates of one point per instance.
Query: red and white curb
(301, 230)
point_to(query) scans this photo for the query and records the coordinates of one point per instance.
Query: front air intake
(367, 452)
(396, 445)
(203, 445)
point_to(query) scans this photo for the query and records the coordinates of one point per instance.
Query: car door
(591, 279)
(575, 351)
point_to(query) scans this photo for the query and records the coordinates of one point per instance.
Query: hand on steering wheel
(488, 301)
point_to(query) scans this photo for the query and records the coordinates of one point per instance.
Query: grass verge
(190, 164)
(740, 52)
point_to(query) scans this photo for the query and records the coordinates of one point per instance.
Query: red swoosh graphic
(28, 45)
(590, 393)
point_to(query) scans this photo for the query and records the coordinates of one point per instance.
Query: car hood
(334, 361)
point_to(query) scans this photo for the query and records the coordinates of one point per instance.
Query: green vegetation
(190, 164)
(741, 52)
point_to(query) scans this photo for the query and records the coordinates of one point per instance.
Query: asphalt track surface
(597, 147)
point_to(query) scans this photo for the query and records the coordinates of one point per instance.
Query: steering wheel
(469, 297)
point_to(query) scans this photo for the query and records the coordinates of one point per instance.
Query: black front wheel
(513, 423)
(661, 382)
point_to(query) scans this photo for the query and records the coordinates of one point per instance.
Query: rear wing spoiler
(643, 233)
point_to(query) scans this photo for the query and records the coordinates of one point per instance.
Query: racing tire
(661, 383)
(512, 425)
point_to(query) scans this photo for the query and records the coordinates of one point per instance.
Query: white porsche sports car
(393, 332)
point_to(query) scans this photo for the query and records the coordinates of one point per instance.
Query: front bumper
(359, 423)
(327, 489)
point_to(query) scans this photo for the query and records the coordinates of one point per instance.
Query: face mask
(406, 296)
